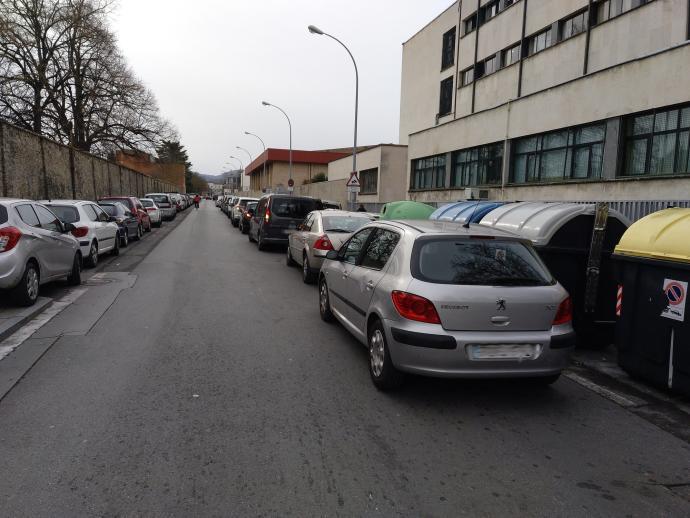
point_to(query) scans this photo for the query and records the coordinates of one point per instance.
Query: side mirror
(332, 255)
(67, 227)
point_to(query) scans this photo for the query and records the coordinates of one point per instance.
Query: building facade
(549, 100)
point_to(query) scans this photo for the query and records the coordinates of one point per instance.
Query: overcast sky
(210, 63)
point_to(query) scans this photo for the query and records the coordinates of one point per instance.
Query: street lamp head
(247, 133)
(315, 30)
(265, 103)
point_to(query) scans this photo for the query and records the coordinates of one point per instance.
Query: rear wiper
(338, 230)
(517, 281)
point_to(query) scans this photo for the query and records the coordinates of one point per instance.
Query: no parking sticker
(676, 294)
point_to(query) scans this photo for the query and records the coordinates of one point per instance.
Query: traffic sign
(353, 183)
(291, 183)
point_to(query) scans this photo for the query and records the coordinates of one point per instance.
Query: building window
(511, 55)
(611, 8)
(477, 166)
(491, 65)
(467, 76)
(540, 41)
(369, 181)
(570, 154)
(429, 173)
(469, 24)
(489, 11)
(574, 25)
(448, 55)
(446, 97)
(657, 143)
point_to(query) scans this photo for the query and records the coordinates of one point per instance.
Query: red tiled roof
(298, 157)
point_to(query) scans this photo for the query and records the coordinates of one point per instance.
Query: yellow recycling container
(653, 315)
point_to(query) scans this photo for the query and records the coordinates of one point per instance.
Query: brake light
(267, 216)
(323, 243)
(80, 232)
(564, 313)
(414, 307)
(150, 209)
(9, 237)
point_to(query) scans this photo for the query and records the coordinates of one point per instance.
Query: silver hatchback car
(439, 299)
(35, 248)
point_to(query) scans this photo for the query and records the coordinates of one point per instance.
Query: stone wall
(36, 168)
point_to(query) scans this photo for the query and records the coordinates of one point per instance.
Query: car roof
(436, 227)
(65, 202)
(338, 212)
(13, 200)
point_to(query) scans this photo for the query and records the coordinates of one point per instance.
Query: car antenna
(468, 220)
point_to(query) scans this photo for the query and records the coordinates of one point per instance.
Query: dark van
(278, 215)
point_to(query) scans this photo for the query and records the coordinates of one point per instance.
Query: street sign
(353, 183)
(291, 183)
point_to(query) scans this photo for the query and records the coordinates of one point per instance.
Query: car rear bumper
(11, 268)
(429, 350)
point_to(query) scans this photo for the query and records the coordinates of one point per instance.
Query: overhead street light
(315, 30)
(264, 146)
(290, 126)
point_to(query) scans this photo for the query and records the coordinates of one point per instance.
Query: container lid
(406, 210)
(662, 235)
(462, 210)
(539, 221)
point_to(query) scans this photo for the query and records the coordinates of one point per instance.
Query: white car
(238, 208)
(153, 210)
(94, 229)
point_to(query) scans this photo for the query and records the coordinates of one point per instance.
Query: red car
(137, 209)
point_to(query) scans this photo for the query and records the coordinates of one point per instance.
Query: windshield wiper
(338, 230)
(517, 281)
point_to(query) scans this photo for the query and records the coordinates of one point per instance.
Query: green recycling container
(653, 316)
(406, 210)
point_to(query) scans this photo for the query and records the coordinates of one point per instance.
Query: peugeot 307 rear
(443, 300)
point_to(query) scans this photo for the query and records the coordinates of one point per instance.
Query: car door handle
(370, 285)
(345, 275)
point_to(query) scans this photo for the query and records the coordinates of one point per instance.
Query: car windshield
(296, 208)
(3, 214)
(147, 203)
(111, 210)
(479, 262)
(251, 205)
(344, 223)
(159, 198)
(66, 213)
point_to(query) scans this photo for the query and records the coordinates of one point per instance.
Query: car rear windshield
(478, 262)
(344, 223)
(109, 209)
(296, 208)
(159, 198)
(65, 213)
(3, 214)
(147, 203)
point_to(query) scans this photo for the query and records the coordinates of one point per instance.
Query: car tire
(307, 274)
(116, 248)
(260, 242)
(325, 302)
(26, 292)
(92, 259)
(289, 261)
(383, 373)
(124, 239)
(140, 233)
(74, 277)
(159, 224)
(249, 235)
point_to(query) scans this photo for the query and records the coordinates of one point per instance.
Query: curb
(12, 319)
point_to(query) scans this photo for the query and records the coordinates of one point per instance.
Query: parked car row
(425, 297)
(44, 241)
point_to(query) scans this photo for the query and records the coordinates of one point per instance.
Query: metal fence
(638, 209)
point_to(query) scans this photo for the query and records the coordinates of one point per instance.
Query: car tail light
(267, 216)
(564, 313)
(80, 232)
(414, 307)
(150, 209)
(9, 237)
(323, 243)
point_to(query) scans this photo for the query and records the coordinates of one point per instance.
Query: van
(277, 216)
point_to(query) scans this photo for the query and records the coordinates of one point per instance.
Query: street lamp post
(315, 30)
(248, 154)
(264, 145)
(241, 166)
(290, 126)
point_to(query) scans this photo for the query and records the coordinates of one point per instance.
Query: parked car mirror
(332, 255)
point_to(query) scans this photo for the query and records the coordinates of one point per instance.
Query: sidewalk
(12, 317)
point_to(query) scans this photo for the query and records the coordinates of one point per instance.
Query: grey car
(321, 231)
(35, 248)
(438, 299)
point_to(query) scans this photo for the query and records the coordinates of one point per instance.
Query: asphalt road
(209, 386)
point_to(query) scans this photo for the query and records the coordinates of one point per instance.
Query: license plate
(504, 352)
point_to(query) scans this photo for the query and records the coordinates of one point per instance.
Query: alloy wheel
(376, 352)
(32, 283)
(93, 255)
(323, 298)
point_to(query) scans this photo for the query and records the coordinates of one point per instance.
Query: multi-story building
(549, 99)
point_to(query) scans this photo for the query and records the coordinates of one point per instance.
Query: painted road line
(624, 401)
(19, 337)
